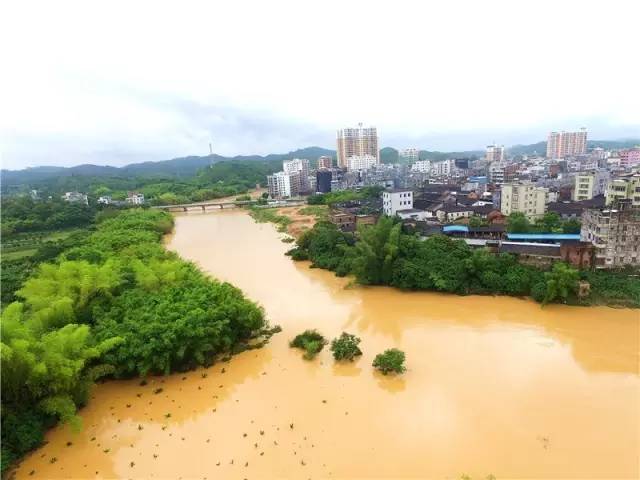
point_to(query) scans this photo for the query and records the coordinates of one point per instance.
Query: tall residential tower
(566, 144)
(357, 142)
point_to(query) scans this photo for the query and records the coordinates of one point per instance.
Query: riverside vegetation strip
(384, 255)
(114, 304)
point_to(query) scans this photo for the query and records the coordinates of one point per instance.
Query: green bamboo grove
(115, 304)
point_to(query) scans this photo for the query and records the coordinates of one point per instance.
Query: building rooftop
(544, 236)
(398, 190)
(455, 228)
(455, 208)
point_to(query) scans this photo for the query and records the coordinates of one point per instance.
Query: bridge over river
(212, 205)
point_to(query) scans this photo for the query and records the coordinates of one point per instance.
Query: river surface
(494, 385)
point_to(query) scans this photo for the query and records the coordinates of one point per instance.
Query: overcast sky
(119, 82)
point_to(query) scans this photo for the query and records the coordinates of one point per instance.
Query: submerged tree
(346, 347)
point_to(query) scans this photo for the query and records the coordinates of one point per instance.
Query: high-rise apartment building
(323, 180)
(590, 184)
(325, 162)
(524, 198)
(283, 185)
(629, 157)
(301, 167)
(566, 144)
(495, 153)
(357, 142)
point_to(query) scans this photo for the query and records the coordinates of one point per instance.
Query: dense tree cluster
(116, 303)
(384, 255)
(550, 222)
(23, 214)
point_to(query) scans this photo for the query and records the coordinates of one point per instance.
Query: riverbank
(115, 304)
(383, 254)
(292, 220)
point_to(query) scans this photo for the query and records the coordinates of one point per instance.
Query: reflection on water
(494, 385)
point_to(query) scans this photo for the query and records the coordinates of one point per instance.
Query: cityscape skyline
(277, 86)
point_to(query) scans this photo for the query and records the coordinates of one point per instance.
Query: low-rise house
(76, 197)
(415, 214)
(105, 200)
(343, 220)
(450, 213)
(368, 219)
(135, 198)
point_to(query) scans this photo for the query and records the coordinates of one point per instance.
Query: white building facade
(361, 162)
(590, 184)
(422, 166)
(298, 166)
(396, 200)
(283, 185)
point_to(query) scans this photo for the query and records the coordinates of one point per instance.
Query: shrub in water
(391, 360)
(345, 347)
(310, 341)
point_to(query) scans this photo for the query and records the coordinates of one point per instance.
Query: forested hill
(185, 167)
(177, 167)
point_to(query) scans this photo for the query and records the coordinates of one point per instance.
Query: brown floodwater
(494, 385)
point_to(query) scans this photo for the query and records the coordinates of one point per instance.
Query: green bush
(310, 341)
(390, 361)
(346, 347)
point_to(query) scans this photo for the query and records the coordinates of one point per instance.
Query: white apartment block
(524, 198)
(408, 155)
(361, 162)
(357, 141)
(566, 144)
(283, 185)
(396, 200)
(443, 168)
(495, 153)
(422, 166)
(298, 166)
(590, 184)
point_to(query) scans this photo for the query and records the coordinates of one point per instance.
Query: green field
(23, 245)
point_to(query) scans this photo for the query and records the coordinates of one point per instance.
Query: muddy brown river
(495, 386)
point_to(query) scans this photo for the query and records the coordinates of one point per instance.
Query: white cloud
(152, 80)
